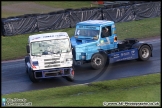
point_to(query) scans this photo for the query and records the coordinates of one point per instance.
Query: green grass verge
(57, 4)
(4, 3)
(50, 4)
(68, 4)
(148, 27)
(144, 88)
(14, 47)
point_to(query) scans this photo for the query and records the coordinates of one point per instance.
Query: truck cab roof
(95, 22)
(47, 36)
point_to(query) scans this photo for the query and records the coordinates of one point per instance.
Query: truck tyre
(97, 61)
(31, 75)
(26, 60)
(70, 77)
(144, 53)
(26, 67)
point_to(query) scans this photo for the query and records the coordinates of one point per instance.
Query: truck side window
(106, 32)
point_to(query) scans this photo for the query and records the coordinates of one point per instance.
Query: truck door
(107, 40)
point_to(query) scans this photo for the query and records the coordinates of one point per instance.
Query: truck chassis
(129, 49)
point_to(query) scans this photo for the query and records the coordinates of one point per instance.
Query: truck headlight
(83, 56)
(34, 63)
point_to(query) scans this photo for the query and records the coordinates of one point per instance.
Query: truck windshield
(48, 47)
(86, 32)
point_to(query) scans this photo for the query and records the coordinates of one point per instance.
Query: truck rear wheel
(71, 76)
(144, 53)
(97, 61)
(31, 76)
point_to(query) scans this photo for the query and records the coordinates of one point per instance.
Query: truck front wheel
(71, 76)
(31, 76)
(26, 60)
(26, 67)
(97, 61)
(144, 53)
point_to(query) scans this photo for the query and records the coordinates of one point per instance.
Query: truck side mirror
(28, 48)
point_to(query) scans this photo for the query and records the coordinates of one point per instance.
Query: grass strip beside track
(144, 88)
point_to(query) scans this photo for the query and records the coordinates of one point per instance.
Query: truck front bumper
(57, 72)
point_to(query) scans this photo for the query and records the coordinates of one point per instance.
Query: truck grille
(54, 62)
(52, 59)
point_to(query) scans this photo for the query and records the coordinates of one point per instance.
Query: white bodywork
(57, 48)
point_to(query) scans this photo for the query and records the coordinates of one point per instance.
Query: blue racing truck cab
(95, 42)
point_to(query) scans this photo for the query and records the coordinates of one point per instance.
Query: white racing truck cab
(49, 55)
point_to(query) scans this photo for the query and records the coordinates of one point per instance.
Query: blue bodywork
(84, 46)
(123, 55)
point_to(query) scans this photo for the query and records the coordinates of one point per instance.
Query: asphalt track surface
(15, 79)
